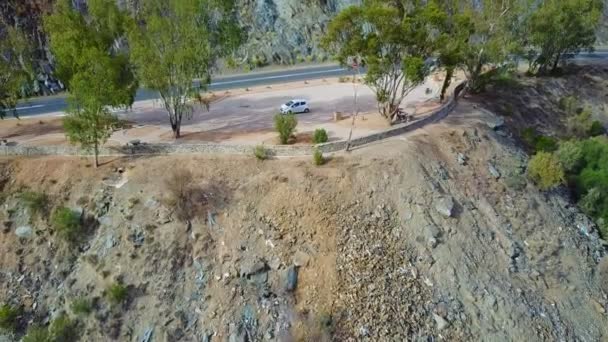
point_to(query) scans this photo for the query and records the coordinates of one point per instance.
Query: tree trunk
(449, 72)
(556, 63)
(96, 152)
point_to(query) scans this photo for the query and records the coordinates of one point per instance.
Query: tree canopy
(393, 40)
(560, 27)
(16, 69)
(93, 66)
(174, 42)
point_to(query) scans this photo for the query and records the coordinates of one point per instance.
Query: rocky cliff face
(286, 31)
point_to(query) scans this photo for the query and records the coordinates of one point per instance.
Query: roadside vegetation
(285, 125)
(578, 160)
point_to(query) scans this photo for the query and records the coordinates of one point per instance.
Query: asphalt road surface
(53, 104)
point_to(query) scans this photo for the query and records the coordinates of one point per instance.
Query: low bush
(545, 170)
(260, 152)
(117, 293)
(545, 144)
(596, 129)
(36, 333)
(36, 202)
(67, 224)
(319, 136)
(63, 329)
(81, 306)
(317, 157)
(8, 317)
(186, 198)
(570, 155)
(285, 125)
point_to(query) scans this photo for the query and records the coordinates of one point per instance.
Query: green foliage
(260, 152)
(117, 293)
(97, 73)
(558, 27)
(475, 35)
(81, 306)
(590, 179)
(570, 155)
(569, 104)
(319, 136)
(66, 223)
(538, 142)
(8, 317)
(545, 143)
(317, 157)
(597, 128)
(392, 40)
(16, 68)
(176, 41)
(581, 125)
(285, 125)
(36, 333)
(63, 329)
(545, 170)
(37, 202)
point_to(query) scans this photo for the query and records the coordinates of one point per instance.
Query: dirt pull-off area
(432, 236)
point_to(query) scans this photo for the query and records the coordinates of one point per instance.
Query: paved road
(45, 105)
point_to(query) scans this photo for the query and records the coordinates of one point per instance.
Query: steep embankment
(434, 234)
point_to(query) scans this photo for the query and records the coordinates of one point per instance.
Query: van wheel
(306, 110)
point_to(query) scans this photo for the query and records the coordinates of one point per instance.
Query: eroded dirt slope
(435, 235)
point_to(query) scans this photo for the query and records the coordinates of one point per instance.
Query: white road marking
(275, 77)
(29, 107)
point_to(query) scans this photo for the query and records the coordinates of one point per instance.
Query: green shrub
(343, 79)
(580, 125)
(36, 202)
(66, 223)
(596, 129)
(36, 333)
(545, 143)
(570, 155)
(569, 104)
(260, 152)
(309, 58)
(117, 293)
(81, 306)
(317, 157)
(285, 125)
(528, 135)
(545, 170)
(63, 329)
(320, 136)
(8, 317)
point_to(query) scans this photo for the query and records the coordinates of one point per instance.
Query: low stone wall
(214, 148)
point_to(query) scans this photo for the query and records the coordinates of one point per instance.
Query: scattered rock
(495, 123)
(445, 206)
(461, 159)
(135, 142)
(493, 171)
(301, 259)
(441, 322)
(24, 232)
(292, 278)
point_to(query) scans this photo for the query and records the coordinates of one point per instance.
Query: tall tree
(562, 27)
(394, 39)
(95, 70)
(16, 69)
(174, 42)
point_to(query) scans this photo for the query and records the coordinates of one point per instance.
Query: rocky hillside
(432, 236)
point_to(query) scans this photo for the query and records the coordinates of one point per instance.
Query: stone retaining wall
(214, 148)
